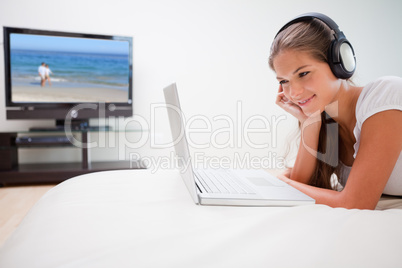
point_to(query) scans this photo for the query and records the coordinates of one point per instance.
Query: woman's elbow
(356, 202)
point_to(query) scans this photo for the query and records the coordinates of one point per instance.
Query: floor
(15, 202)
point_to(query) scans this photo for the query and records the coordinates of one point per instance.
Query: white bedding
(135, 218)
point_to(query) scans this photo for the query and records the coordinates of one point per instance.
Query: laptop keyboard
(221, 181)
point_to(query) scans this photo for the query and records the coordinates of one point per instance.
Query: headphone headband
(313, 15)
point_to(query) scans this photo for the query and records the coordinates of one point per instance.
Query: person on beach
(313, 62)
(47, 75)
(42, 74)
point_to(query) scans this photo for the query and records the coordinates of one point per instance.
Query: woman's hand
(285, 175)
(289, 106)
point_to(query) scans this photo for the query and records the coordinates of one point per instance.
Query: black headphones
(341, 56)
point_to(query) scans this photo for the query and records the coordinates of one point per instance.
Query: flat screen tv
(59, 75)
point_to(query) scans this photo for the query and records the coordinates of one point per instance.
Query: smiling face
(306, 81)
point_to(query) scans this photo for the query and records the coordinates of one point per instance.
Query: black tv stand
(14, 173)
(75, 125)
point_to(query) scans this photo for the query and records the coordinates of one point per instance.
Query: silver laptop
(223, 186)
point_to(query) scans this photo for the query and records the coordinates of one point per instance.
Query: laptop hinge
(198, 187)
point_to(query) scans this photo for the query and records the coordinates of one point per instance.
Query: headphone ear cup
(347, 56)
(341, 59)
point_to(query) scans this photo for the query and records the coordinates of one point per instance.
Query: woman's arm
(306, 159)
(380, 147)
(322, 196)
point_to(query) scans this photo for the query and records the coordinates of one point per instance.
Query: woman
(364, 149)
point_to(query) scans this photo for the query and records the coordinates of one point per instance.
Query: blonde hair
(313, 37)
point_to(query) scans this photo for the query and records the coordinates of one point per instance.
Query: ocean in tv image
(81, 69)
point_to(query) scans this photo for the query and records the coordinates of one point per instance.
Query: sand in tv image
(65, 69)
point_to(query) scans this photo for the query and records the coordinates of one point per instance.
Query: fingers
(281, 98)
(287, 172)
(284, 178)
(290, 107)
(280, 88)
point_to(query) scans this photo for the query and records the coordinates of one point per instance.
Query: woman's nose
(295, 91)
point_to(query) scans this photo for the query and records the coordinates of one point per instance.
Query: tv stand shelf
(14, 173)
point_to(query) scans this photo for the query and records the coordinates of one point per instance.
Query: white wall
(216, 51)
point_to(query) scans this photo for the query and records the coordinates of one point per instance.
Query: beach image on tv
(68, 69)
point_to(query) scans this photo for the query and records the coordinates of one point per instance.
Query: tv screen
(48, 69)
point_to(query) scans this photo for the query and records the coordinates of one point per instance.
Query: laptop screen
(179, 139)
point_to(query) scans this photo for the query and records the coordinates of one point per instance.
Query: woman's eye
(303, 74)
(282, 82)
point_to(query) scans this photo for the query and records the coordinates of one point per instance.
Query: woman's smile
(306, 102)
